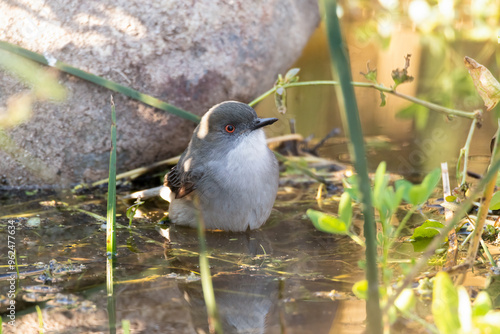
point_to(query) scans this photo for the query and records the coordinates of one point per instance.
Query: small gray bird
(229, 167)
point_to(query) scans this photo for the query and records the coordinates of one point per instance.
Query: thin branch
(379, 87)
(464, 152)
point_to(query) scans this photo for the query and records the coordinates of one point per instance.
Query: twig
(488, 254)
(214, 322)
(379, 87)
(483, 209)
(401, 225)
(464, 152)
(350, 116)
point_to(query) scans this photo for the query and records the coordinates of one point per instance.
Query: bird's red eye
(230, 128)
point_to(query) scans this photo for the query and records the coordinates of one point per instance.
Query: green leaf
(392, 315)
(406, 301)
(494, 290)
(392, 199)
(31, 193)
(416, 195)
(450, 198)
(420, 245)
(464, 309)
(482, 304)
(371, 75)
(430, 183)
(404, 186)
(402, 76)
(420, 193)
(495, 201)
(490, 323)
(291, 75)
(351, 186)
(428, 230)
(327, 223)
(345, 209)
(380, 181)
(384, 199)
(133, 209)
(360, 289)
(383, 100)
(445, 304)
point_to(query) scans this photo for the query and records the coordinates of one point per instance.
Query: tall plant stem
(350, 118)
(111, 298)
(111, 207)
(485, 204)
(379, 87)
(464, 152)
(402, 225)
(111, 226)
(215, 325)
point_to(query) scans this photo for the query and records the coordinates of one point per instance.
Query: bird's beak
(260, 122)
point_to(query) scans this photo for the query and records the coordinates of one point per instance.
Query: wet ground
(285, 277)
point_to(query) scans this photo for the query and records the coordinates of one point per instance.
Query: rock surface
(192, 54)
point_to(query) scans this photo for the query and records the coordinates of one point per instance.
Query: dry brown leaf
(486, 85)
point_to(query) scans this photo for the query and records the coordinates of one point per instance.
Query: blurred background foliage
(438, 34)
(448, 30)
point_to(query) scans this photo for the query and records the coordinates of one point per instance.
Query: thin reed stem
(351, 120)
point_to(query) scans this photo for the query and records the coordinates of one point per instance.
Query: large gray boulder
(192, 54)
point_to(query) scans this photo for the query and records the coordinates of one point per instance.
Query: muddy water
(284, 277)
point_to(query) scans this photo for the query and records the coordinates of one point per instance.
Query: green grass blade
(214, 322)
(350, 118)
(125, 326)
(40, 319)
(111, 208)
(111, 299)
(111, 226)
(114, 86)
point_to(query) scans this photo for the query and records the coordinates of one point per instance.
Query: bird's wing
(181, 183)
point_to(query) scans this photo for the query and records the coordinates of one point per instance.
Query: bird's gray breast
(239, 189)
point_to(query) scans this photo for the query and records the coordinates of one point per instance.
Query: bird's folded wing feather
(181, 183)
